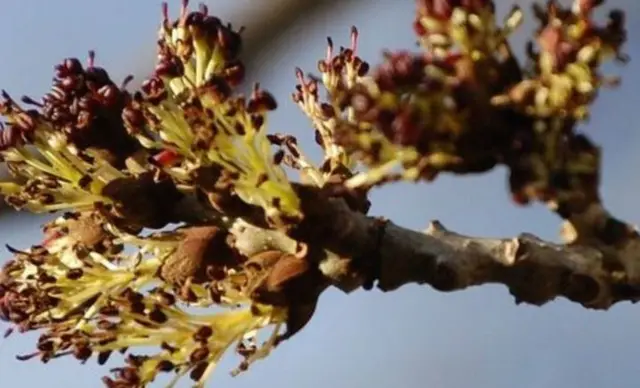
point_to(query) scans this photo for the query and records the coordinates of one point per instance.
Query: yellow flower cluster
(190, 109)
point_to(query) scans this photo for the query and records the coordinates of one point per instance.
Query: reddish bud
(166, 158)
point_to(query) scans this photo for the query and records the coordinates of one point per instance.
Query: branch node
(445, 278)
(511, 251)
(582, 289)
(434, 228)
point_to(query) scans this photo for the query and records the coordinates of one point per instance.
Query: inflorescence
(121, 162)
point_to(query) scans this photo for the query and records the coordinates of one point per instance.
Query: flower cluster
(416, 115)
(565, 71)
(465, 104)
(74, 152)
(67, 151)
(82, 110)
(91, 298)
(121, 162)
(551, 162)
(339, 72)
(189, 109)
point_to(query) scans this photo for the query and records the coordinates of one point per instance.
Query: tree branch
(535, 271)
(367, 249)
(594, 269)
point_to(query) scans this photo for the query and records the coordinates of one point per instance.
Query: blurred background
(414, 337)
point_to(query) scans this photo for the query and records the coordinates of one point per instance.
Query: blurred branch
(266, 23)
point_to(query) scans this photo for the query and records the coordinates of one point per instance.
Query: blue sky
(414, 337)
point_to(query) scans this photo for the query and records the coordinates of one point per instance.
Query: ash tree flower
(245, 249)
(465, 104)
(118, 161)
